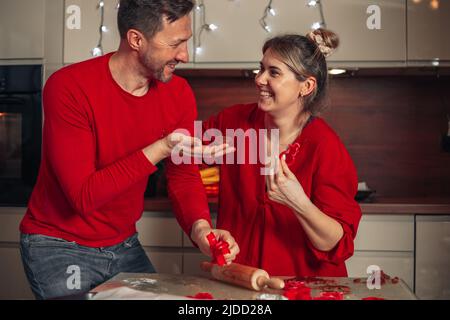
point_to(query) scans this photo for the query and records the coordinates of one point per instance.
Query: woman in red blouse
(300, 221)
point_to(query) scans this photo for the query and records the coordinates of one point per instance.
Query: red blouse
(269, 234)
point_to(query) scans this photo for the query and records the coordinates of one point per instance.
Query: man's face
(167, 48)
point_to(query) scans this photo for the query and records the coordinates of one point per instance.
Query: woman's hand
(283, 187)
(201, 228)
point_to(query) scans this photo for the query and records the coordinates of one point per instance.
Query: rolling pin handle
(273, 283)
(276, 283)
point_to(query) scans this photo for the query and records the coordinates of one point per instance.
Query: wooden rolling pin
(244, 276)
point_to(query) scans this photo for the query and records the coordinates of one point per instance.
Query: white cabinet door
(10, 218)
(386, 241)
(13, 281)
(79, 42)
(395, 264)
(348, 18)
(166, 261)
(22, 29)
(433, 257)
(159, 230)
(428, 31)
(385, 233)
(240, 37)
(191, 263)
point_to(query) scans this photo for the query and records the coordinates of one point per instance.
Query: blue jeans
(58, 268)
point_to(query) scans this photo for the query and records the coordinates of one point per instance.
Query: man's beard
(154, 69)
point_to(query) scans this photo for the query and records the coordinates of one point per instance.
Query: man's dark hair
(146, 16)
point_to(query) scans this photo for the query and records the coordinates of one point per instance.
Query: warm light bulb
(198, 50)
(272, 12)
(312, 3)
(97, 52)
(212, 27)
(336, 71)
(316, 25)
(434, 4)
(101, 4)
(104, 29)
(267, 28)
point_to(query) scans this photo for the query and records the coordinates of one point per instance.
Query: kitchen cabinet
(427, 33)
(385, 46)
(80, 39)
(22, 29)
(161, 237)
(191, 262)
(166, 261)
(395, 264)
(239, 37)
(79, 42)
(433, 257)
(53, 36)
(386, 241)
(13, 281)
(415, 248)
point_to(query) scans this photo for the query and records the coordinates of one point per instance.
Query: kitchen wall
(391, 124)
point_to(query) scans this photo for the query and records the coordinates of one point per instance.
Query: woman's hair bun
(326, 40)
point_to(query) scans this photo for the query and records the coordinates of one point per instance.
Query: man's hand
(186, 145)
(201, 228)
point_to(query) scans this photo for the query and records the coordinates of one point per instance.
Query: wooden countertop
(430, 206)
(181, 286)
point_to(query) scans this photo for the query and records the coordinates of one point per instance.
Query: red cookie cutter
(291, 152)
(218, 249)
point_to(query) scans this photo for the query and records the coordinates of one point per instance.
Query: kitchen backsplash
(391, 125)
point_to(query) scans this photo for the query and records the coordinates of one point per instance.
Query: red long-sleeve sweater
(93, 173)
(268, 233)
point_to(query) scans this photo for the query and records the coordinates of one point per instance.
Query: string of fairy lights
(205, 26)
(201, 9)
(98, 50)
(269, 11)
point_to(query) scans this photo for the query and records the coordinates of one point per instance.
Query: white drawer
(191, 263)
(166, 261)
(433, 257)
(385, 233)
(159, 231)
(395, 264)
(10, 219)
(14, 283)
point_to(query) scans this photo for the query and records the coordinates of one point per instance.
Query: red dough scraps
(298, 290)
(202, 296)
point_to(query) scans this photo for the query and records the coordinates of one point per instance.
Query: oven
(20, 132)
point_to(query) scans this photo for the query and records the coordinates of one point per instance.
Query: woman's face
(277, 85)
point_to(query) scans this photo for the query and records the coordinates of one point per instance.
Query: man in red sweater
(108, 122)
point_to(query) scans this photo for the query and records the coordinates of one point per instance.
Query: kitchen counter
(183, 286)
(426, 206)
